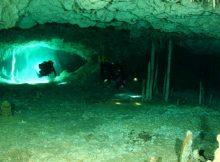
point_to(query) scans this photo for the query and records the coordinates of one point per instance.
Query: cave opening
(21, 64)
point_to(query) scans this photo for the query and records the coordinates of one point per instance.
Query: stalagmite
(6, 109)
(155, 159)
(186, 151)
(217, 152)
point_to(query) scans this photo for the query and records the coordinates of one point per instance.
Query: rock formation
(179, 16)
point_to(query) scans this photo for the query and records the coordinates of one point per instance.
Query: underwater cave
(109, 81)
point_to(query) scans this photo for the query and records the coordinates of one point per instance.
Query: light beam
(13, 66)
(21, 62)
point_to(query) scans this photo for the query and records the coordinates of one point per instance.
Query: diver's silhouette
(46, 68)
(110, 71)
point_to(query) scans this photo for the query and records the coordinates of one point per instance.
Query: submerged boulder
(6, 108)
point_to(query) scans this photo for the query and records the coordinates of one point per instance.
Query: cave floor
(54, 126)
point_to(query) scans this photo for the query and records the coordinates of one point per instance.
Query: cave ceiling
(183, 17)
(179, 16)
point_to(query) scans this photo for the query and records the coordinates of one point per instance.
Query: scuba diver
(46, 68)
(112, 72)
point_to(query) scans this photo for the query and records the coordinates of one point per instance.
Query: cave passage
(22, 66)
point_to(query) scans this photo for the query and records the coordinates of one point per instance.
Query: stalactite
(152, 70)
(155, 78)
(164, 83)
(201, 94)
(148, 81)
(143, 90)
(167, 90)
(150, 74)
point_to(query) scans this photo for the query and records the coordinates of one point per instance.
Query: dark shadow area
(178, 147)
(70, 62)
(205, 141)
